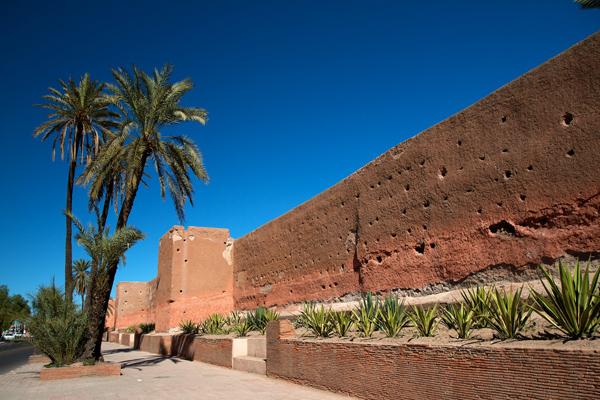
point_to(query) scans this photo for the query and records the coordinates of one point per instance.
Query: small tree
(81, 275)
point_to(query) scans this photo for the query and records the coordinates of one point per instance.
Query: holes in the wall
(426, 204)
(357, 195)
(496, 179)
(377, 219)
(461, 168)
(482, 158)
(343, 204)
(442, 173)
(505, 150)
(503, 119)
(140, 292)
(522, 197)
(389, 178)
(407, 187)
(567, 119)
(570, 153)
(126, 292)
(503, 228)
(507, 174)
(404, 211)
(479, 210)
(432, 245)
(323, 287)
(499, 204)
(372, 186)
(180, 291)
(379, 259)
(459, 143)
(420, 248)
(184, 260)
(469, 190)
(424, 227)
(177, 250)
(422, 163)
(184, 240)
(530, 168)
(409, 231)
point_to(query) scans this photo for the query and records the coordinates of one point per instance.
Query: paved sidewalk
(150, 376)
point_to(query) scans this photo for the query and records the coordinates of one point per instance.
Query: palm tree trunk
(69, 242)
(99, 304)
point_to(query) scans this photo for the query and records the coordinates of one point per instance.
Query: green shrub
(319, 321)
(478, 300)
(574, 307)
(131, 329)
(366, 315)
(58, 329)
(459, 318)
(343, 322)
(234, 318)
(260, 317)
(506, 315)
(189, 326)
(392, 317)
(242, 328)
(426, 321)
(147, 328)
(213, 325)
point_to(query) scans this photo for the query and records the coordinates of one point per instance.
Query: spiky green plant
(459, 318)
(366, 315)
(392, 317)
(147, 328)
(343, 322)
(506, 315)
(478, 300)
(189, 326)
(234, 318)
(213, 325)
(260, 318)
(574, 307)
(58, 329)
(426, 320)
(131, 329)
(242, 328)
(319, 321)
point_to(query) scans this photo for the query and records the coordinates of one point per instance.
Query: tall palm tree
(148, 104)
(81, 276)
(586, 4)
(106, 251)
(78, 119)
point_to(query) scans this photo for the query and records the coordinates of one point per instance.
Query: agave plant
(425, 320)
(260, 318)
(147, 328)
(506, 315)
(343, 323)
(189, 326)
(319, 321)
(234, 318)
(366, 320)
(392, 317)
(213, 325)
(459, 318)
(242, 328)
(478, 300)
(574, 307)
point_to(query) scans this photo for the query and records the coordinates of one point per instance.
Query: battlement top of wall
(178, 232)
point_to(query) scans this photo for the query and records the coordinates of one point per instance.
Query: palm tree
(147, 104)
(106, 251)
(586, 4)
(81, 276)
(78, 119)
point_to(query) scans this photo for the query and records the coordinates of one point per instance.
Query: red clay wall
(387, 371)
(133, 304)
(195, 276)
(489, 193)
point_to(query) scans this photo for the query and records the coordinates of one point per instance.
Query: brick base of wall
(216, 351)
(71, 372)
(417, 371)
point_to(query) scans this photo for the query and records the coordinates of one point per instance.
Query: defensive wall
(488, 194)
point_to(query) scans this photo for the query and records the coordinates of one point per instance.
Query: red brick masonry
(71, 372)
(416, 371)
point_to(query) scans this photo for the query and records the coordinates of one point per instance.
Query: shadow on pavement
(137, 363)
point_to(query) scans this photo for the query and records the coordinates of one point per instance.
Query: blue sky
(300, 94)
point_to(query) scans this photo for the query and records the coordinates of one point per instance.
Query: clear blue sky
(300, 94)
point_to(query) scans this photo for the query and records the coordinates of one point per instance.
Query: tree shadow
(138, 363)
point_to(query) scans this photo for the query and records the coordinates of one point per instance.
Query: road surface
(13, 355)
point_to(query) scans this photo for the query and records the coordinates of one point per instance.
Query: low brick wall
(71, 372)
(416, 371)
(216, 351)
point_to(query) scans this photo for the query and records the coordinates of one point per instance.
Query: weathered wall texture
(489, 193)
(417, 371)
(195, 276)
(133, 304)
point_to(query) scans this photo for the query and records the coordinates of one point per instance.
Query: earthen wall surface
(133, 304)
(195, 276)
(489, 193)
(387, 371)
